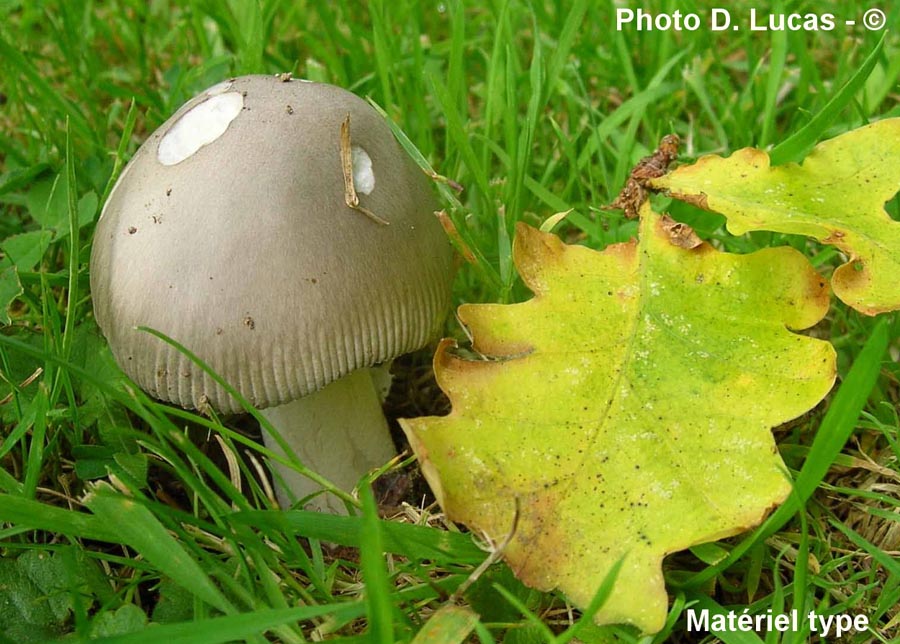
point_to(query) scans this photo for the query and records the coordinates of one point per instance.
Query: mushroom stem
(338, 432)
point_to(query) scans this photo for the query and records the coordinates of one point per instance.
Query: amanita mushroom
(230, 232)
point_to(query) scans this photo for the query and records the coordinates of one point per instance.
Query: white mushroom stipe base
(230, 233)
(338, 432)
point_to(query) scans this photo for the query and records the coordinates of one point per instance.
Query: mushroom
(233, 231)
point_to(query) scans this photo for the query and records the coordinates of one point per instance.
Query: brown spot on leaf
(536, 545)
(852, 279)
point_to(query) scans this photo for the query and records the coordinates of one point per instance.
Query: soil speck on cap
(289, 109)
(132, 230)
(219, 331)
(249, 323)
(168, 191)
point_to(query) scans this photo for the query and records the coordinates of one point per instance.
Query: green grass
(533, 108)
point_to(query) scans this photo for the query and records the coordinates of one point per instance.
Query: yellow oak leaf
(836, 196)
(625, 411)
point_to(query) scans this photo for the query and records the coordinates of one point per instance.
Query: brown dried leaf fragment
(680, 234)
(650, 167)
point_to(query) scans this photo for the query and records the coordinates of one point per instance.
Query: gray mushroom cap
(245, 251)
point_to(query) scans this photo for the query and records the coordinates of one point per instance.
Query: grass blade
(72, 208)
(134, 525)
(886, 561)
(40, 516)
(795, 147)
(600, 597)
(449, 625)
(457, 132)
(232, 627)
(130, 120)
(777, 59)
(379, 609)
(560, 55)
(43, 90)
(413, 541)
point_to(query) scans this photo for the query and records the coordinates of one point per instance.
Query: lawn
(123, 519)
